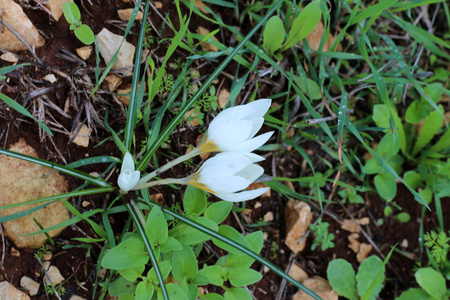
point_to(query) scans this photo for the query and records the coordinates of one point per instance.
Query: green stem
(166, 181)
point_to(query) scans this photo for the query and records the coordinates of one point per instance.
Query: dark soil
(77, 264)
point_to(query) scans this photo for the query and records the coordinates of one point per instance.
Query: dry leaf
(354, 243)
(223, 98)
(364, 250)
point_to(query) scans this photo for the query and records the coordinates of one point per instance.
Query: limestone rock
(75, 297)
(108, 43)
(319, 286)
(84, 52)
(206, 46)
(9, 292)
(125, 14)
(298, 218)
(30, 285)
(298, 273)
(9, 57)
(53, 276)
(82, 137)
(223, 97)
(22, 181)
(112, 81)
(56, 7)
(14, 16)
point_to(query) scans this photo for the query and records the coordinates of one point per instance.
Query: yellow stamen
(207, 147)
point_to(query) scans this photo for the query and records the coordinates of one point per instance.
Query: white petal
(257, 124)
(128, 162)
(252, 156)
(231, 134)
(128, 179)
(231, 184)
(251, 172)
(259, 107)
(242, 196)
(254, 143)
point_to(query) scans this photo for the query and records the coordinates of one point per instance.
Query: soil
(79, 264)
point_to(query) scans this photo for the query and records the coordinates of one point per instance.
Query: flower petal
(254, 143)
(242, 196)
(128, 162)
(229, 135)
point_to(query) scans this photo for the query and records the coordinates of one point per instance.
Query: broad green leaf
(156, 226)
(170, 244)
(238, 261)
(174, 291)
(187, 235)
(430, 127)
(310, 87)
(443, 143)
(414, 294)
(84, 34)
(184, 264)
(256, 241)
(144, 290)
(121, 286)
(243, 277)
(432, 282)
(413, 179)
(370, 277)
(165, 267)
(126, 297)
(213, 296)
(194, 201)
(210, 275)
(385, 185)
(218, 211)
(132, 274)
(304, 24)
(128, 254)
(237, 294)
(381, 117)
(388, 145)
(72, 13)
(371, 166)
(273, 35)
(342, 278)
(234, 235)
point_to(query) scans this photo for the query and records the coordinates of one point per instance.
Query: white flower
(227, 173)
(233, 130)
(128, 177)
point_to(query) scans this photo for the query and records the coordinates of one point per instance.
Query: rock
(223, 98)
(84, 52)
(75, 297)
(56, 7)
(206, 46)
(46, 265)
(319, 286)
(108, 43)
(82, 137)
(158, 5)
(14, 16)
(47, 256)
(268, 217)
(298, 273)
(9, 57)
(298, 218)
(125, 14)
(352, 225)
(112, 81)
(354, 243)
(30, 285)
(50, 78)
(364, 250)
(124, 94)
(53, 276)
(15, 252)
(22, 181)
(257, 204)
(9, 292)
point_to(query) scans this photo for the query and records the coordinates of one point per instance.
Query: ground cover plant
(336, 109)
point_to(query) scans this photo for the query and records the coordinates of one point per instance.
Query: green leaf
(372, 166)
(121, 286)
(342, 278)
(184, 264)
(304, 24)
(237, 294)
(432, 282)
(370, 277)
(187, 235)
(218, 211)
(171, 244)
(210, 275)
(194, 201)
(373, 11)
(273, 35)
(403, 217)
(212, 296)
(165, 267)
(430, 127)
(413, 179)
(174, 291)
(385, 185)
(156, 226)
(414, 294)
(388, 145)
(243, 277)
(381, 116)
(310, 87)
(234, 235)
(256, 241)
(71, 13)
(128, 254)
(443, 143)
(144, 290)
(84, 34)
(132, 274)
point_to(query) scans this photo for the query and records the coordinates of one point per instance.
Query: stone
(75, 297)
(364, 250)
(268, 217)
(319, 286)
(30, 285)
(206, 46)
(84, 52)
(354, 243)
(157, 4)
(298, 273)
(112, 81)
(257, 205)
(353, 225)
(125, 14)
(23, 181)
(82, 137)
(124, 94)
(56, 7)
(9, 57)
(108, 43)
(15, 252)
(46, 265)
(50, 78)
(14, 16)
(298, 218)
(223, 98)
(9, 292)
(53, 276)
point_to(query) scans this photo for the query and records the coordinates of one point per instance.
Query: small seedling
(321, 235)
(73, 16)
